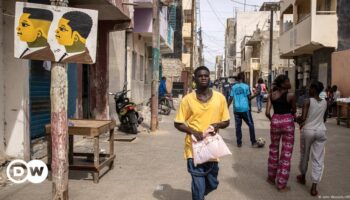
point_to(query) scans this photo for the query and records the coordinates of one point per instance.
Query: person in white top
(336, 92)
(313, 136)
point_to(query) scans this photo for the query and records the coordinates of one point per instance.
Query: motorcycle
(165, 104)
(128, 116)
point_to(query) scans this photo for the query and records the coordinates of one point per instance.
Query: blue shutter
(39, 92)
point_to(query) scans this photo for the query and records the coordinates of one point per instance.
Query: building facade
(245, 25)
(140, 48)
(309, 36)
(219, 67)
(230, 50)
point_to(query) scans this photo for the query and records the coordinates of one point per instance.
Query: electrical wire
(251, 5)
(216, 15)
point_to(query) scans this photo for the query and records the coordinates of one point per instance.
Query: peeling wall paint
(15, 92)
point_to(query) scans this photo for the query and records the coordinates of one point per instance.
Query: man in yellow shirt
(199, 110)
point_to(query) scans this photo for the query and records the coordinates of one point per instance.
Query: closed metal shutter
(39, 87)
(40, 104)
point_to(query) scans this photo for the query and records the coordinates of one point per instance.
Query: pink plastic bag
(210, 148)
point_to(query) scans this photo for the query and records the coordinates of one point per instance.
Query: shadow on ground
(167, 192)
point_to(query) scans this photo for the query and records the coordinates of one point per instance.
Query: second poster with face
(52, 33)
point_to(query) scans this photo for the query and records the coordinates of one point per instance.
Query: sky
(213, 15)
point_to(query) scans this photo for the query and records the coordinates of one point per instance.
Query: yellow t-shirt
(199, 116)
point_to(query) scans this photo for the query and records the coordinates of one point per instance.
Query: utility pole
(59, 125)
(193, 30)
(270, 50)
(201, 58)
(201, 47)
(244, 4)
(155, 68)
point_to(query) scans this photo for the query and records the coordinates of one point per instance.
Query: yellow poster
(53, 33)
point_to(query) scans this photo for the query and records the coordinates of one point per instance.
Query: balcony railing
(186, 59)
(326, 12)
(186, 4)
(186, 30)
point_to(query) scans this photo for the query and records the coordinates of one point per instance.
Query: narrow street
(152, 167)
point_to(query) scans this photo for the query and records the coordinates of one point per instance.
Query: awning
(108, 9)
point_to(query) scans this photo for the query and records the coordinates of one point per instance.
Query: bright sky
(213, 20)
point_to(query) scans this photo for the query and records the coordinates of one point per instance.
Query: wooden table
(92, 129)
(345, 118)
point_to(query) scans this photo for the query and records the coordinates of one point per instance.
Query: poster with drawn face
(53, 33)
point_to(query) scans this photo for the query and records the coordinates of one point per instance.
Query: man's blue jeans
(204, 178)
(248, 119)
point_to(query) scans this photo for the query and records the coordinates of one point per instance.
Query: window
(142, 68)
(326, 7)
(134, 64)
(304, 10)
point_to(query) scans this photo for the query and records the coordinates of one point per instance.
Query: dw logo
(35, 171)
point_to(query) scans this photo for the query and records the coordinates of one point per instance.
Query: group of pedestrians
(204, 108)
(312, 130)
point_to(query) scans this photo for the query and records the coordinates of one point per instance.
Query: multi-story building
(255, 49)
(219, 67)
(189, 37)
(141, 48)
(230, 48)
(172, 65)
(245, 25)
(309, 36)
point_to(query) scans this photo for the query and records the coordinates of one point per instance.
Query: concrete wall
(172, 68)
(247, 23)
(322, 66)
(343, 10)
(138, 93)
(340, 64)
(2, 85)
(15, 92)
(229, 46)
(116, 64)
(129, 49)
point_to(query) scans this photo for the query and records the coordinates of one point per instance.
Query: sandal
(271, 182)
(314, 193)
(301, 180)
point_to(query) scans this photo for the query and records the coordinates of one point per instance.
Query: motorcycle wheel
(132, 119)
(167, 111)
(165, 107)
(133, 128)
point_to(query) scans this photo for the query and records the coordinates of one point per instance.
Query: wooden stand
(345, 118)
(93, 129)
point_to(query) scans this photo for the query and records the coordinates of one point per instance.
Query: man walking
(198, 111)
(226, 89)
(162, 87)
(240, 95)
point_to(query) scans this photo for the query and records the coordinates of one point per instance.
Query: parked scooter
(165, 104)
(128, 116)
